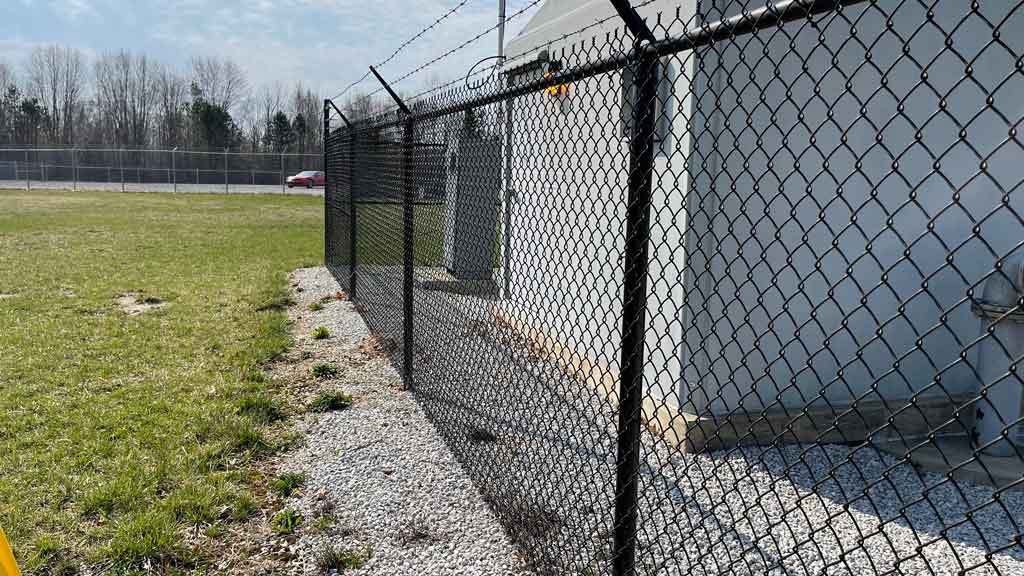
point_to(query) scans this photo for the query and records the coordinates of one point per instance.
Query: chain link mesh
(820, 364)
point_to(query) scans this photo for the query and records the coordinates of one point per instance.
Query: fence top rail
(160, 150)
(747, 22)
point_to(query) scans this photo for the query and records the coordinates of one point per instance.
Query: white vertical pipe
(1002, 326)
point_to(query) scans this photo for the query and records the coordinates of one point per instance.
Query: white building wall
(568, 177)
(809, 295)
(854, 160)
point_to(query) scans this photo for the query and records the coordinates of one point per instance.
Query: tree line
(122, 99)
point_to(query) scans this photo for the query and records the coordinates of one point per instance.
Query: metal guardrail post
(74, 169)
(634, 294)
(28, 171)
(226, 190)
(120, 164)
(174, 167)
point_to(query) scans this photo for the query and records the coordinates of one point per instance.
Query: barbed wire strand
(403, 46)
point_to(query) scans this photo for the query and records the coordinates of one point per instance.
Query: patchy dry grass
(331, 558)
(127, 442)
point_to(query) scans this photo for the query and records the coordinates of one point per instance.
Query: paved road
(154, 187)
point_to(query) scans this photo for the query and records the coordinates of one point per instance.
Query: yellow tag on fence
(7, 565)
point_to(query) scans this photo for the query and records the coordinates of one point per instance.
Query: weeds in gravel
(321, 333)
(286, 521)
(415, 533)
(316, 307)
(286, 484)
(330, 401)
(342, 559)
(325, 370)
(324, 523)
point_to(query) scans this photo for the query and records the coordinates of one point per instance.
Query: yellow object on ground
(7, 565)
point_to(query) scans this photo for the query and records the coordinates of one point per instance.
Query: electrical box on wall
(472, 198)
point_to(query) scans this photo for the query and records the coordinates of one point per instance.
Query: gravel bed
(380, 482)
(547, 467)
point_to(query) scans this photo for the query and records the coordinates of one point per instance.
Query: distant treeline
(60, 98)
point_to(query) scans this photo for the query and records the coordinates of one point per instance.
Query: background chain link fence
(735, 289)
(151, 169)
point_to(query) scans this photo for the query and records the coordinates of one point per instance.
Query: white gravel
(378, 477)
(792, 510)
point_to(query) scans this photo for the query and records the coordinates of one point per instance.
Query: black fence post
(407, 231)
(408, 243)
(328, 221)
(634, 312)
(352, 205)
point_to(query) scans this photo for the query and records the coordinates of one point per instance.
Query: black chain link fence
(740, 293)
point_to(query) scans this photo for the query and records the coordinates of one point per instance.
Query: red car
(307, 178)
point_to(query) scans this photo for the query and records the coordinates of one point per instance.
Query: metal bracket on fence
(407, 236)
(327, 124)
(398, 101)
(633, 21)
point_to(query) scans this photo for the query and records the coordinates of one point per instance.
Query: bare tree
(269, 102)
(222, 82)
(310, 108)
(56, 76)
(125, 95)
(8, 103)
(171, 96)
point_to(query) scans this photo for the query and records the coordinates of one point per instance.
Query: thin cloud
(326, 44)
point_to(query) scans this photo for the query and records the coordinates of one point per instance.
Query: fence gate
(726, 288)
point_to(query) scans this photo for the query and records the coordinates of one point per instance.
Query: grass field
(128, 441)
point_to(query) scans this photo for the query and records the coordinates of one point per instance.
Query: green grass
(286, 521)
(321, 333)
(379, 234)
(325, 370)
(330, 401)
(119, 434)
(286, 484)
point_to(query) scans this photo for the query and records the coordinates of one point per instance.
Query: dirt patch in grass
(135, 303)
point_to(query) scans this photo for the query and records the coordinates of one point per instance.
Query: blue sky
(324, 43)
